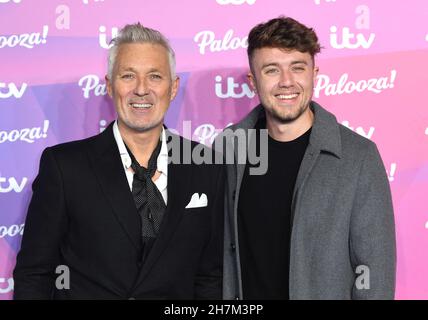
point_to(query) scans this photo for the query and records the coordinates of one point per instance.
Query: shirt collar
(162, 161)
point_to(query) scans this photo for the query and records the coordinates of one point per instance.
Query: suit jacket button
(232, 247)
(234, 195)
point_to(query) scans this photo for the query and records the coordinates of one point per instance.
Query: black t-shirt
(264, 219)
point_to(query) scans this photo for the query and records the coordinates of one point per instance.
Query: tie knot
(141, 172)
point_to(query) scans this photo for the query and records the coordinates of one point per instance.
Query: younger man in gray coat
(317, 221)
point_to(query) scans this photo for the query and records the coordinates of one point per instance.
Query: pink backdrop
(373, 76)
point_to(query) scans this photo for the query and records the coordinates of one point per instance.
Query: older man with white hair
(121, 220)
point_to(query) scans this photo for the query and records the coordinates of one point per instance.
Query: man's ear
(175, 86)
(109, 86)
(316, 69)
(252, 81)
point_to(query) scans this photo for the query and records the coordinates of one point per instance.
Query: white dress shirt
(162, 162)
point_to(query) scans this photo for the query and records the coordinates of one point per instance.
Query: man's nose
(141, 88)
(286, 79)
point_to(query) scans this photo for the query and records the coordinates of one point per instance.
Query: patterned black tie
(148, 199)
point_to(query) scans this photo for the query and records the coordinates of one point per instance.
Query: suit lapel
(107, 165)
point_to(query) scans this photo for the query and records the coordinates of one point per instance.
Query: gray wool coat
(343, 235)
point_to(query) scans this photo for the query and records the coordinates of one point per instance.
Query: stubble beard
(286, 119)
(141, 128)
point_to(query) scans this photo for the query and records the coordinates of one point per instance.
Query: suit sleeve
(45, 225)
(372, 232)
(209, 280)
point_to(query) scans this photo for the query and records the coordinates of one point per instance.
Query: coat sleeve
(39, 256)
(372, 232)
(209, 279)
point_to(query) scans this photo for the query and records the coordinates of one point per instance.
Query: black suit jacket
(82, 215)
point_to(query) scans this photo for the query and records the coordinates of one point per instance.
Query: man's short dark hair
(284, 33)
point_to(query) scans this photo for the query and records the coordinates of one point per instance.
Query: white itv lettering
(231, 86)
(360, 130)
(347, 36)
(13, 90)
(102, 40)
(13, 185)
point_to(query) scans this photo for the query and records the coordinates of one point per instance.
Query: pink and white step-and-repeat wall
(373, 77)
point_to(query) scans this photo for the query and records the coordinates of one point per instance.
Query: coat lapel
(325, 137)
(107, 165)
(246, 124)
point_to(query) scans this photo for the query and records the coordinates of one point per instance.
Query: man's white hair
(137, 33)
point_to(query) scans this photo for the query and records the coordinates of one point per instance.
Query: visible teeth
(141, 105)
(287, 96)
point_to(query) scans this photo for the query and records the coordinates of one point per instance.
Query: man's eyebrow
(299, 62)
(274, 64)
(270, 64)
(128, 69)
(153, 70)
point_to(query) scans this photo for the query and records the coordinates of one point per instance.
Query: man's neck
(289, 131)
(141, 144)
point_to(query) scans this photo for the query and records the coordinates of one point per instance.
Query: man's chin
(286, 118)
(140, 128)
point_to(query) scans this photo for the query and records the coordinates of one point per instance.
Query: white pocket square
(198, 202)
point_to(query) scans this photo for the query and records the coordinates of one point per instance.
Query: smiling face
(284, 81)
(141, 86)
